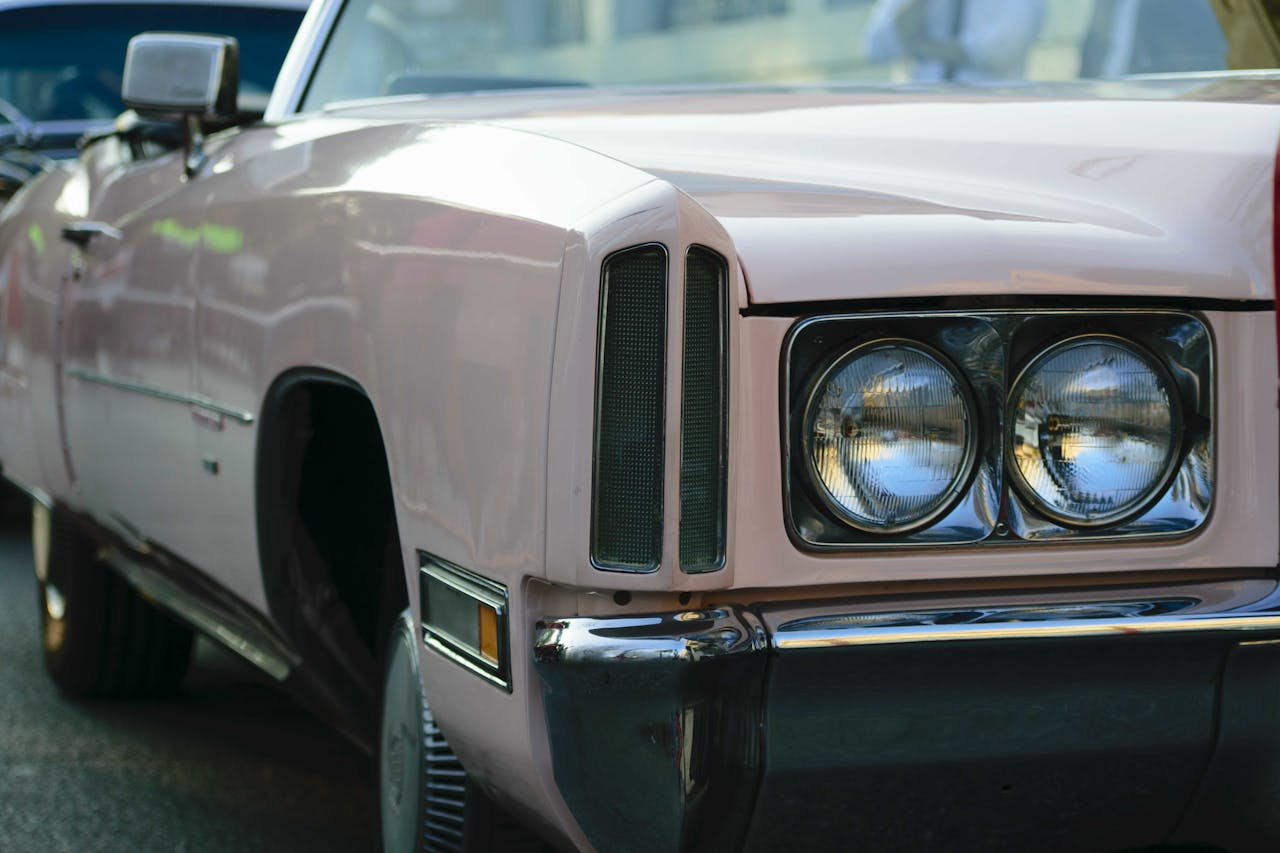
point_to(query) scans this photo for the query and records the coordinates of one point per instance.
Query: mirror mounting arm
(190, 76)
(193, 145)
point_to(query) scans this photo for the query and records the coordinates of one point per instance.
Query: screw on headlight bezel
(1173, 456)
(948, 498)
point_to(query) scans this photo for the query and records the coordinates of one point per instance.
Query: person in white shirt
(966, 41)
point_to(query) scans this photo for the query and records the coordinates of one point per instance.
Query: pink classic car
(642, 440)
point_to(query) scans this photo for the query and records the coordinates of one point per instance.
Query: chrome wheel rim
(422, 786)
(400, 743)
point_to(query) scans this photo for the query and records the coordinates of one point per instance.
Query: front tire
(101, 639)
(422, 786)
(427, 802)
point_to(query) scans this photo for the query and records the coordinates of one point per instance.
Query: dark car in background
(60, 65)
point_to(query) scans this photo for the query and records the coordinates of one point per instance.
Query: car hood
(1128, 188)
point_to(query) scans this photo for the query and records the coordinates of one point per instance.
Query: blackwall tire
(428, 805)
(101, 640)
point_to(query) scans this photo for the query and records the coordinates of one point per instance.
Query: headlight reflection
(1093, 431)
(890, 435)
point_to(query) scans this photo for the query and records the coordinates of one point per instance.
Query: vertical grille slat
(704, 412)
(626, 517)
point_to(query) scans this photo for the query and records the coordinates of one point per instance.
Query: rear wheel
(101, 639)
(427, 802)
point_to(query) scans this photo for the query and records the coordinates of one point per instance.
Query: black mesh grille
(703, 413)
(626, 524)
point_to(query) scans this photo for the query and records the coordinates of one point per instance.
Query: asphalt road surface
(230, 764)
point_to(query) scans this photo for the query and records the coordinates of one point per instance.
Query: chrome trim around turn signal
(465, 618)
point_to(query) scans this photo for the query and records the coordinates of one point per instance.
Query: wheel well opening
(327, 528)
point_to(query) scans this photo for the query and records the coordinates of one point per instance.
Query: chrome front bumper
(1097, 720)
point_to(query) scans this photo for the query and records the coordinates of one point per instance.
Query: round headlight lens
(890, 436)
(1093, 431)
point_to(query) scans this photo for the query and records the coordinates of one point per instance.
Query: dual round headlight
(1093, 431)
(891, 434)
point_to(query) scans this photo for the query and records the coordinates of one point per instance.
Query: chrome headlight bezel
(991, 350)
(972, 348)
(1133, 509)
(948, 496)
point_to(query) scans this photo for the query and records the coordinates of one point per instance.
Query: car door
(128, 314)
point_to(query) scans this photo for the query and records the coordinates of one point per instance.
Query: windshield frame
(300, 62)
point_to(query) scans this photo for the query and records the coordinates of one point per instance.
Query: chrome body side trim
(201, 403)
(172, 597)
(168, 582)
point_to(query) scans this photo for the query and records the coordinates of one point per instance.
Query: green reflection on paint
(36, 235)
(172, 229)
(223, 239)
(219, 239)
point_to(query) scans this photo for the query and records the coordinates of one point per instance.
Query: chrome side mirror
(183, 75)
